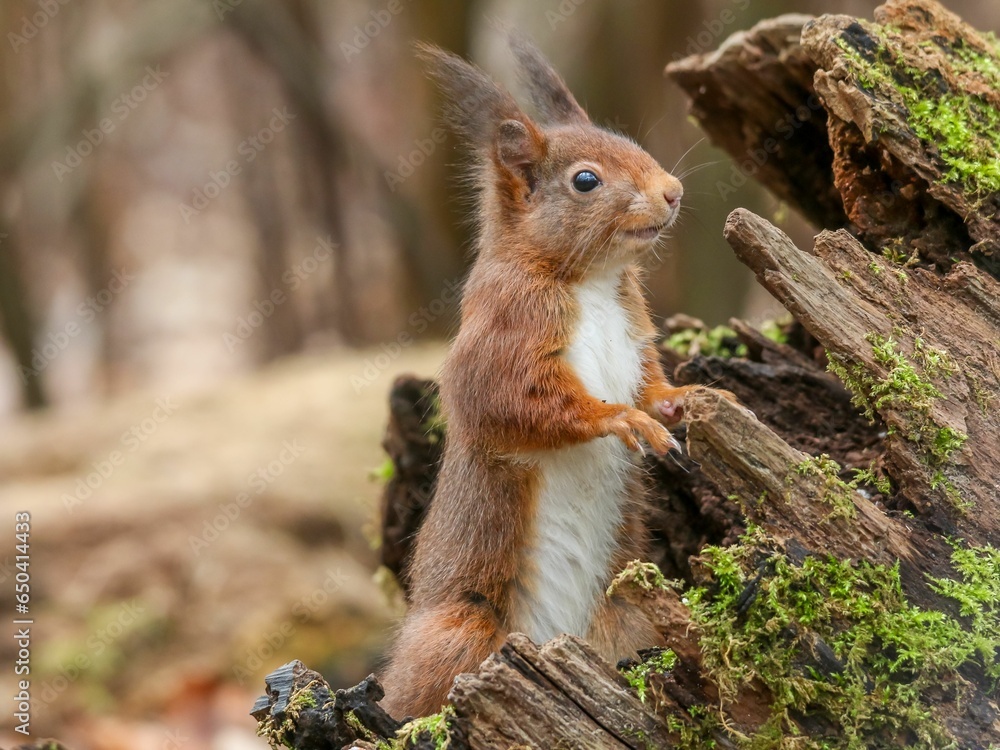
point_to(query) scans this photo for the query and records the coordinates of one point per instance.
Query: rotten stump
(835, 552)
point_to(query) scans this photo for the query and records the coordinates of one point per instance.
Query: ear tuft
(519, 147)
(476, 104)
(549, 93)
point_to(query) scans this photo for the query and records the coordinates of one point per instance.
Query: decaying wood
(754, 97)
(300, 710)
(900, 295)
(849, 298)
(839, 153)
(559, 695)
(906, 195)
(415, 448)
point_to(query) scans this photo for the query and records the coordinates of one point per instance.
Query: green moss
(638, 676)
(895, 252)
(935, 361)
(983, 396)
(835, 491)
(355, 723)
(434, 728)
(304, 699)
(902, 386)
(868, 476)
(434, 421)
(946, 441)
(720, 341)
(282, 733)
(695, 732)
(775, 330)
(909, 391)
(646, 575)
(383, 473)
(964, 128)
(956, 124)
(978, 597)
(839, 642)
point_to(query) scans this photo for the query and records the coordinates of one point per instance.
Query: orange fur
(508, 390)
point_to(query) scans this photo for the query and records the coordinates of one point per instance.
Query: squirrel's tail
(434, 646)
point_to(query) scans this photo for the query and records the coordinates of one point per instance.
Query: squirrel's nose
(672, 191)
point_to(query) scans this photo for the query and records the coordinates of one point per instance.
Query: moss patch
(434, 728)
(645, 575)
(720, 341)
(839, 643)
(906, 385)
(638, 676)
(964, 128)
(835, 491)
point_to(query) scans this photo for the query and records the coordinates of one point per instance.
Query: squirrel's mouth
(647, 233)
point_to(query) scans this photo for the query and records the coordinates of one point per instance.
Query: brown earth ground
(159, 603)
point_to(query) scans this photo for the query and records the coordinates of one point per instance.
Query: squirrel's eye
(585, 181)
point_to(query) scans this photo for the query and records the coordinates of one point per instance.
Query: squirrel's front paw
(670, 410)
(632, 424)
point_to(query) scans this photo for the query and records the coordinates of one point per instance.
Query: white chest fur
(602, 350)
(581, 487)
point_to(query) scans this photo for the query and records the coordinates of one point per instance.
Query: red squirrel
(550, 389)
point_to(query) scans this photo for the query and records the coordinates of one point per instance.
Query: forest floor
(184, 546)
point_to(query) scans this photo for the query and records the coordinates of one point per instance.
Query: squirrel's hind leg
(433, 647)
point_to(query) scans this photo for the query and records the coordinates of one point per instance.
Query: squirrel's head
(559, 188)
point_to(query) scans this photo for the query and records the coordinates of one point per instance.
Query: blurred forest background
(225, 226)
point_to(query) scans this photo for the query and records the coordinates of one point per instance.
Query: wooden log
(301, 711)
(914, 97)
(887, 127)
(754, 97)
(559, 695)
(917, 351)
(414, 442)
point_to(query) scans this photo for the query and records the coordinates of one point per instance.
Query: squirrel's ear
(549, 94)
(519, 147)
(476, 104)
